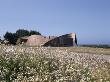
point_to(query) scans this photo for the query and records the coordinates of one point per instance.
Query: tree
(15, 38)
(8, 36)
(0, 39)
(22, 33)
(32, 32)
(11, 37)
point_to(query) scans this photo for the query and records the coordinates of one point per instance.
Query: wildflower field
(54, 64)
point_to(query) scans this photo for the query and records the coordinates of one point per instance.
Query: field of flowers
(48, 64)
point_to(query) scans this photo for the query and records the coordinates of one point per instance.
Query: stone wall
(61, 41)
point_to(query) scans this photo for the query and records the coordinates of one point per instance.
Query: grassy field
(89, 50)
(54, 64)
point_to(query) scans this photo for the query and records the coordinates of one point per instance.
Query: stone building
(39, 40)
(63, 41)
(36, 40)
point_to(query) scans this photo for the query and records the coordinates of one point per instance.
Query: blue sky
(89, 19)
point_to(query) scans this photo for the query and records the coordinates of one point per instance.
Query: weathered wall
(36, 40)
(63, 41)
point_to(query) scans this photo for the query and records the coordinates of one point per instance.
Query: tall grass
(51, 65)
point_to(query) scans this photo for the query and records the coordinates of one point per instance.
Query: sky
(89, 19)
